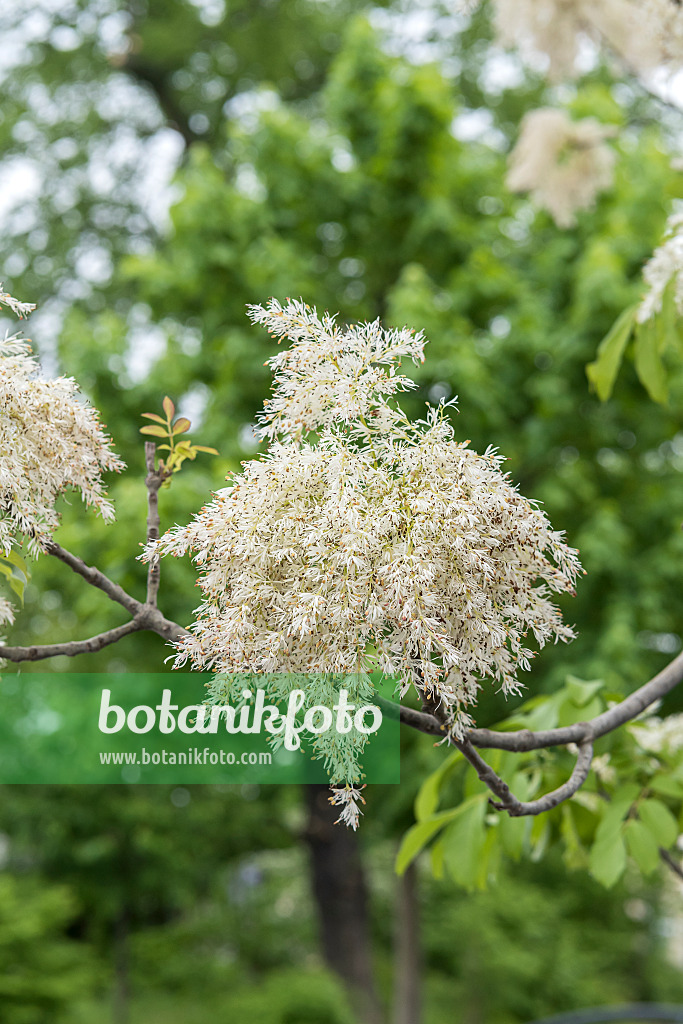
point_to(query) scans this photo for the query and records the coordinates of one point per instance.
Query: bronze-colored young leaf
(153, 416)
(169, 408)
(203, 448)
(154, 431)
(181, 425)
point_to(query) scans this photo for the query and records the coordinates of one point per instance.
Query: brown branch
(153, 481)
(523, 740)
(147, 618)
(159, 81)
(94, 577)
(72, 648)
(671, 862)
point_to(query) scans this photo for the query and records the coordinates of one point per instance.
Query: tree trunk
(340, 894)
(407, 950)
(121, 1002)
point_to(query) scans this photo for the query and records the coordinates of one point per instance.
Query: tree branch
(72, 648)
(671, 862)
(153, 481)
(158, 80)
(94, 577)
(524, 740)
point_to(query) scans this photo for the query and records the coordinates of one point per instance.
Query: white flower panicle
(50, 441)
(330, 373)
(564, 164)
(378, 543)
(21, 309)
(664, 266)
(645, 34)
(349, 798)
(659, 735)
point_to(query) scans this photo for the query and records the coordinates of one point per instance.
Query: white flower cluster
(349, 798)
(6, 612)
(21, 309)
(564, 164)
(664, 266)
(659, 735)
(50, 441)
(645, 34)
(362, 540)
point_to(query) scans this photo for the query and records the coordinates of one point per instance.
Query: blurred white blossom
(361, 540)
(644, 34)
(564, 164)
(50, 441)
(659, 735)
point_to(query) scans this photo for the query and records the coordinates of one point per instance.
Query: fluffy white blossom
(21, 309)
(659, 735)
(6, 612)
(564, 164)
(349, 798)
(644, 34)
(51, 441)
(361, 540)
(665, 265)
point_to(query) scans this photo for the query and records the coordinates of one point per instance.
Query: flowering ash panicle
(21, 309)
(659, 735)
(645, 34)
(50, 441)
(665, 265)
(361, 540)
(349, 798)
(562, 163)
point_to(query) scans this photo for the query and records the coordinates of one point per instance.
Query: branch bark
(523, 740)
(93, 576)
(72, 648)
(153, 481)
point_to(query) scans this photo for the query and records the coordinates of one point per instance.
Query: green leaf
(608, 859)
(574, 854)
(513, 832)
(18, 586)
(648, 362)
(667, 786)
(642, 846)
(602, 373)
(154, 431)
(202, 448)
(667, 319)
(659, 821)
(427, 799)
(436, 855)
(417, 837)
(181, 425)
(464, 841)
(581, 692)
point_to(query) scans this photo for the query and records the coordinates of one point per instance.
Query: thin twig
(72, 648)
(523, 740)
(671, 862)
(153, 481)
(94, 577)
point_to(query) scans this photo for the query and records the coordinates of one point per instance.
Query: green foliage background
(320, 154)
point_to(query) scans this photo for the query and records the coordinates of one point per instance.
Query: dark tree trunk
(121, 970)
(341, 898)
(407, 949)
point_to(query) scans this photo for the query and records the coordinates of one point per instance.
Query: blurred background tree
(162, 166)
